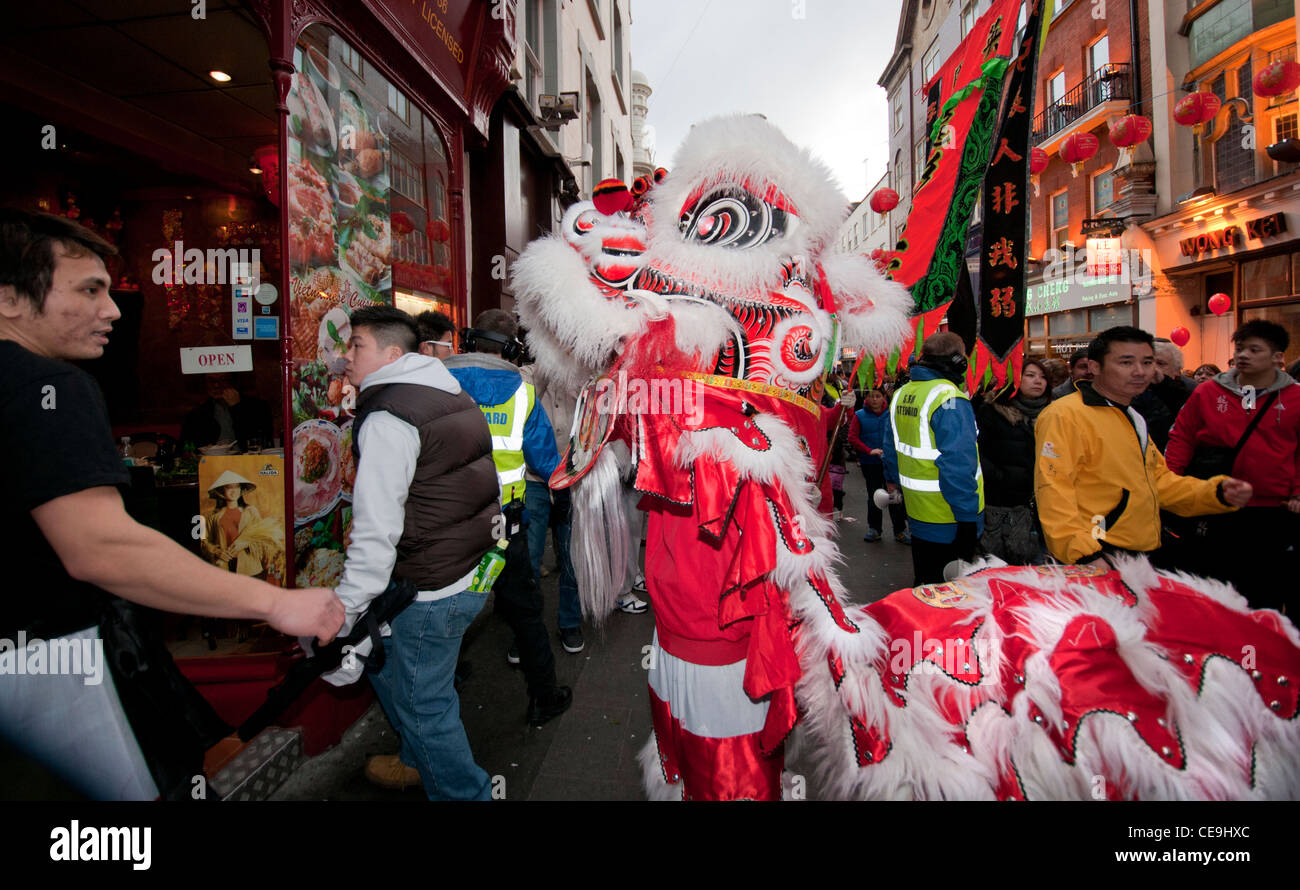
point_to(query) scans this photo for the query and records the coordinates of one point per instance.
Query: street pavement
(590, 752)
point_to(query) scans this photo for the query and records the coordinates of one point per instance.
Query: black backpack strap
(1250, 427)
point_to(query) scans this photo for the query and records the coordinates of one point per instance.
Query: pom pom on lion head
(738, 243)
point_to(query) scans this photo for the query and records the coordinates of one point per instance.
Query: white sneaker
(632, 604)
(639, 585)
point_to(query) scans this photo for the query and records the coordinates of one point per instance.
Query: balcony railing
(1109, 82)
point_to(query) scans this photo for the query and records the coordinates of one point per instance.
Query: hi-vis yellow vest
(918, 472)
(507, 424)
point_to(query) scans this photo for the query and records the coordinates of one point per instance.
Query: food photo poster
(341, 255)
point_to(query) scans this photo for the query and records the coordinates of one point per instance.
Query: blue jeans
(415, 688)
(537, 504)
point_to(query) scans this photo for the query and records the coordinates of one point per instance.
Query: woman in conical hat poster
(222, 543)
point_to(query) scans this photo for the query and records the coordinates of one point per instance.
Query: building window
(896, 106)
(919, 151)
(1099, 55)
(352, 59)
(1234, 167)
(408, 178)
(594, 126)
(1056, 87)
(930, 62)
(1060, 219)
(1268, 277)
(969, 13)
(899, 174)
(532, 51)
(618, 45)
(1103, 191)
(397, 104)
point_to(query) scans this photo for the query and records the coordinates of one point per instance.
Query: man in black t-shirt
(70, 549)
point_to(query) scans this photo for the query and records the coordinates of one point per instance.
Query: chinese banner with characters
(962, 109)
(1002, 249)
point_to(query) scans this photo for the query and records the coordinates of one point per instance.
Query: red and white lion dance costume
(723, 282)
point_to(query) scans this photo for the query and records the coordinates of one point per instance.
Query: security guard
(933, 457)
(521, 437)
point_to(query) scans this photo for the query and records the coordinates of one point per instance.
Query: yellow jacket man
(1099, 480)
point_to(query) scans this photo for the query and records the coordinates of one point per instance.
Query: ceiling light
(219, 76)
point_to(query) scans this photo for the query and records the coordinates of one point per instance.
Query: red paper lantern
(1220, 303)
(401, 223)
(437, 230)
(1129, 130)
(1180, 336)
(1038, 160)
(1277, 78)
(1195, 109)
(1077, 149)
(883, 200)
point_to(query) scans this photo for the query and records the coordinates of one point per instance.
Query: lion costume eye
(732, 216)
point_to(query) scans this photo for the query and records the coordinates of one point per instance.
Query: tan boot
(388, 771)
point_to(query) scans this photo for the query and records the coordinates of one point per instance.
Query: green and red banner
(962, 115)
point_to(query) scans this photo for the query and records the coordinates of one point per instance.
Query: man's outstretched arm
(98, 543)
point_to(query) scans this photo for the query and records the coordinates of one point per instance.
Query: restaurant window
(1060, 209)
(1108, 316)
(1069, 323)
(1038, 326)
(1103, 191)
(1267, 278)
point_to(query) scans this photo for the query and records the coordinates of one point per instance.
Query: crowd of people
(1114, 451)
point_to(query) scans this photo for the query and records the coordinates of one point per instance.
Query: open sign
(212, 359)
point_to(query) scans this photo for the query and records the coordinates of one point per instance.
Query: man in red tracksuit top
(1254, 548)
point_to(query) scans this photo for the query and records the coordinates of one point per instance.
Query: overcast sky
(814, 77)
